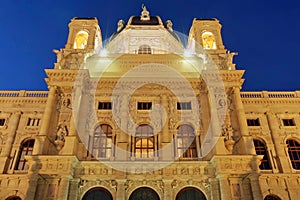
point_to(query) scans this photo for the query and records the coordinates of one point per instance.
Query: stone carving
(121, 25)
(59, 141)
(227, 132)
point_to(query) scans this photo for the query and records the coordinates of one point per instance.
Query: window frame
(253, 122)
(261, 149)
(105, 105)
(184, 105)
(144, 105)
(188, 149)
(146, 134)
(102, 145)
(287, 122)
(25, 149)
(294, 152)
(2, 121)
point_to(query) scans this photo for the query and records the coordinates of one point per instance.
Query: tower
(84, 39)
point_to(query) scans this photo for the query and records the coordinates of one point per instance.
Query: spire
(145, 13)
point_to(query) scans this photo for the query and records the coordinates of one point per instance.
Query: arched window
(81, 39)
(208, 40)
(261, 149)
(190, 193)
(144, 145)
(272, 197)
(102, 142)
(25, 149)
(145, 49)
(294, 153)
(97, 193)
(186, 142)
(144, 193)
(13, 198)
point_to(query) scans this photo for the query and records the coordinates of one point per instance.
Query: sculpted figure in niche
(62, 131)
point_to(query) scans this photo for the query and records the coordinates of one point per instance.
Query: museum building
(141, 116)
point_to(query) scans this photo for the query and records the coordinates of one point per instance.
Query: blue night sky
(266, 34)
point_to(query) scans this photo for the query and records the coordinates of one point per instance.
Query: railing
(266, 94)
(23, 93)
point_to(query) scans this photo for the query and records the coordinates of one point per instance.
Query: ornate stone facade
(146, 118)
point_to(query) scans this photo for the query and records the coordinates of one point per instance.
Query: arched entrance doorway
(272, 197)
(13, 198)
(97, 193)
(144, 193)
(190, 193)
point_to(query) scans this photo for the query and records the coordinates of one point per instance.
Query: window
(253, 122)
(186, 142)
(190, 193)
(97, 193)
(144, 145)
(208, 40)
(144, 193)
(288, 122)
(102, 141)
(13, 198)
(104, 106)
(184, 106)
(145, 49)
(260, 149)
(294, 153)
(2, 122)
(272, 197)
(81, 40)
(144, 105)
(33, 122)
(25, 149)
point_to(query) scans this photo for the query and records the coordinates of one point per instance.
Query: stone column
(122, 150)
(256, 190)
(166, 146)
(32, 186)
(282, 160)
(51, 101)
(225, 188)
(73, 191)
(41, 142)
(246, 143)
(168, 194)
(13, 126)
(214, 189)
(165, 136)
(5, 154)
(121, 193)
(63, 188)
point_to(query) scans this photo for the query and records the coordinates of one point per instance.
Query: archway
(190, 193)
(13, 198)
(97, 193)
(272, 197)
(144, 193)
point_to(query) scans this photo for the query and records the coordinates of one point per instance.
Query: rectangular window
(253, 122)
(104, 106)
(2, 122)
(33, 122)
(144, 105)
(288, 122)
(184, 106)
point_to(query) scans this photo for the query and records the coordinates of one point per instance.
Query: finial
(144, 7)
(145, 13)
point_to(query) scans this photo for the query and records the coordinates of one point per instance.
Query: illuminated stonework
(81, 40)
(103, 131)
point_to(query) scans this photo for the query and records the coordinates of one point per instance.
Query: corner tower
(84, 39)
